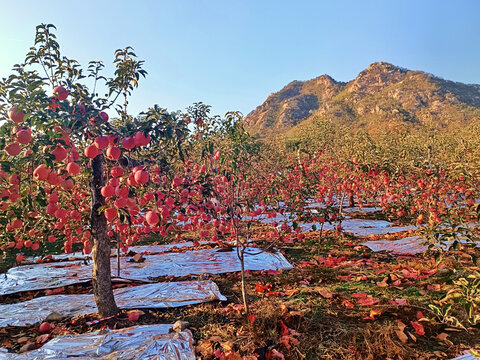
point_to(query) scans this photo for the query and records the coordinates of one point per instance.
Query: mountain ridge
(381, 96)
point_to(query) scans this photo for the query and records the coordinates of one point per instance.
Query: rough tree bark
(351, 200)
(102, 282)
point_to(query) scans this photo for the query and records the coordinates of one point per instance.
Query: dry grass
(311, 304)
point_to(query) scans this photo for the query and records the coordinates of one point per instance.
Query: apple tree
(70, 174)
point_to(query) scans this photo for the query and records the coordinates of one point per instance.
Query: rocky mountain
(382, 96)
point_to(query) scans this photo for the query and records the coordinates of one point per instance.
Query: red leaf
(262, 288)
(347, 304)
(272, 272)
(285, 341)
(284, 331)
(368, 301)
(218, 353)
(274, 354)
(360, 295)
(397, 282)
(259, 288)
(418, 327)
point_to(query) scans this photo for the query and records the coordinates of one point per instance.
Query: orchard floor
(341, 301)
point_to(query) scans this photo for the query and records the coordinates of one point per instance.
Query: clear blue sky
(233, 54)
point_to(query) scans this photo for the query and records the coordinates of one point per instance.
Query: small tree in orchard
(234, 186)
(242, 185)
(70, 174)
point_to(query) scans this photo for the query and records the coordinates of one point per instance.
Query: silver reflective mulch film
(362, 227)
(142, 248)
(467, 356)
(158, 295)
(204, 261)
(44, 276)
(362, 210)
(410, 245)
(146, 342)
(354, 226)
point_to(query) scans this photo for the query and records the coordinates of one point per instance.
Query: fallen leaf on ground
(54, 291)
(291, 292)
(419, 329)
(402, 336)
(411, 336)
(327, 294)
(442, 336)
(383, 283)
(398, 302)
(453, 329)
(42, 338)
(368, 301)
(359, 295)
(274, 354)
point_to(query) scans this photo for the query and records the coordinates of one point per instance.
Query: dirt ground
(340, 301)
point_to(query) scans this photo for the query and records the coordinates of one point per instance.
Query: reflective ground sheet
(140, 343)
(364, 210)
(138, 249)
(467, 356)
(362, 227)
(356, 227)
(204, 261)
(158, 295)
(409, 245)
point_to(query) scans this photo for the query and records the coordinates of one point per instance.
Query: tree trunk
(102, 282)
(244, 285)
(351, 200)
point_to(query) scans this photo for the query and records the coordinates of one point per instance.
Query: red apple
(16, 115)
(45, 327)
(135, 315)
(60, 93)
(13, 149)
